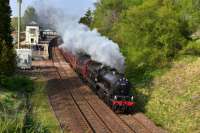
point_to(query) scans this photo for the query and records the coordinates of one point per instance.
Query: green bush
(32, 126)
(16, 83)
(7, 59)
(193, 48)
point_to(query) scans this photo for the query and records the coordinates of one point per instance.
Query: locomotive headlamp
(115, 97)
(132, 98)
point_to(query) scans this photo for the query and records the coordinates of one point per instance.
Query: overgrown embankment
(172, 100)
(19, 106)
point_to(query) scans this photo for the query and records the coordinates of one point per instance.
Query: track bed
(78, 109)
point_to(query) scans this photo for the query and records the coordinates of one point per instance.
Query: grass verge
(42, 111)
(24, 107)
(172, 99)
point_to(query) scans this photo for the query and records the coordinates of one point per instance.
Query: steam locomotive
(110, 85)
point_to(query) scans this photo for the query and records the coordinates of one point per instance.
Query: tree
(87, 18)
(108, 12)
(5, 27)
(7, 54)
(30, 15)
(14, 24)
(7, 59)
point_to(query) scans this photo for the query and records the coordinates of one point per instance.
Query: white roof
(33, 23)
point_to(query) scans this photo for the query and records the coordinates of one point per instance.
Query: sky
(74, 7)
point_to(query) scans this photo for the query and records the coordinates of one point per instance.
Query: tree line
(7, 53)
(150, 33)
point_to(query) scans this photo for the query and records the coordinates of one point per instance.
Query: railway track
(141, 124)
(97, 108)
(79, 110)
(94, 121)
(64, 104)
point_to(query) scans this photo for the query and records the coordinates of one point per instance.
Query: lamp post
(19, 20)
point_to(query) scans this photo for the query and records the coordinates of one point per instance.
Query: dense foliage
(7, 54)
(16, 83)
(150, 33)
(87, 18)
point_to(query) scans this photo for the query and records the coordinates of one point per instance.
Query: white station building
(36, 45)
(32, 34)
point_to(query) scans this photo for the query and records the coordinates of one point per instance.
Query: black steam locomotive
(107, 82)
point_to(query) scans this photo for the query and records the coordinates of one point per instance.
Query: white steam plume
(79, 38)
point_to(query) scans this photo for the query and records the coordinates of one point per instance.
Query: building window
(32, 31)
(32, 40)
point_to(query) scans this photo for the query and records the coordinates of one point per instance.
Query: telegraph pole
(19, 21)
